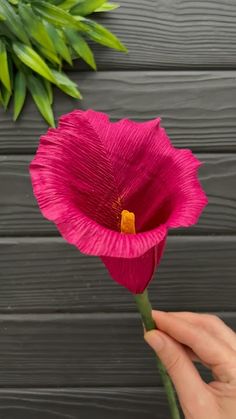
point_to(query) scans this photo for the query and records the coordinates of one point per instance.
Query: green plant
(36, 38)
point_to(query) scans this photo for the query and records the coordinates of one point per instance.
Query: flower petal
(154, 180)
(71, 173)
(88, 170)
(135, 274)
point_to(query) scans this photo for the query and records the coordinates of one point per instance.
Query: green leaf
(1, 101)
(35, 27)
(4, 70)
(59, 43)
(81, 47)
(48, 88)
(66, 85)
(5, 31)
(33, 60)
(55, 15)
(50, 56)
(13, 21)
(36, 38)
(102, 35)
(5, 97)
(107, 7)
(18, 64)
(68, 4)
(86, 7)
(19, 94)
(41, 99)
(55, 2)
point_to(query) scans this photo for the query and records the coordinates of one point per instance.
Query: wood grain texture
(48, 275)
(64, 323)
(177, 34)
(198, 108)
(19, 213)
(77, 350)
(99, 403)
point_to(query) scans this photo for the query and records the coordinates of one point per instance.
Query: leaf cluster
(36, 38)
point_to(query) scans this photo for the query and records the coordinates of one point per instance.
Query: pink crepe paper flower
(88, 170)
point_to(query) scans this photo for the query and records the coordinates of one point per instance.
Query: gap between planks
(44, 317)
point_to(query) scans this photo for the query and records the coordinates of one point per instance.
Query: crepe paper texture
(89, 169)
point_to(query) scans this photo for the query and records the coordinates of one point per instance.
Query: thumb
(182, 371)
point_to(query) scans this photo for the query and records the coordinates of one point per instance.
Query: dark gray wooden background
(70, 340)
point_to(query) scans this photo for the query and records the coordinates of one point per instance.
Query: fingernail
(155, 340)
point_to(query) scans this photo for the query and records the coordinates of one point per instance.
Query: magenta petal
(135, 274)
(154, 180)
(93, 239)
(76, 182)
(73, 177)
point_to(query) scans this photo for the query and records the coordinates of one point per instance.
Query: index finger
(211, 323)
(207, 347)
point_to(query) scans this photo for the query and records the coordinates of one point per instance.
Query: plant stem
(145, 310)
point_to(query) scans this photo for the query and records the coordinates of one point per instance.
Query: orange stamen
(127, 222)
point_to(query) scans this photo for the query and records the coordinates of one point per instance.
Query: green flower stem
(145, 310)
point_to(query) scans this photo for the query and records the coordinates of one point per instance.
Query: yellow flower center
(127, 222)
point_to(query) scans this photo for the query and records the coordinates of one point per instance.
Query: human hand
(182, 338)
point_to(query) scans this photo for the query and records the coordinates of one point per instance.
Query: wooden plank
(99, 403)
(198, 108)
(177, 34)
(77, 350)
(19, 213)
(43, 275)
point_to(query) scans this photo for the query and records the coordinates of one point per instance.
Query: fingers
(191, 354)
(183, 373)
(211, 323)
(209, 348)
